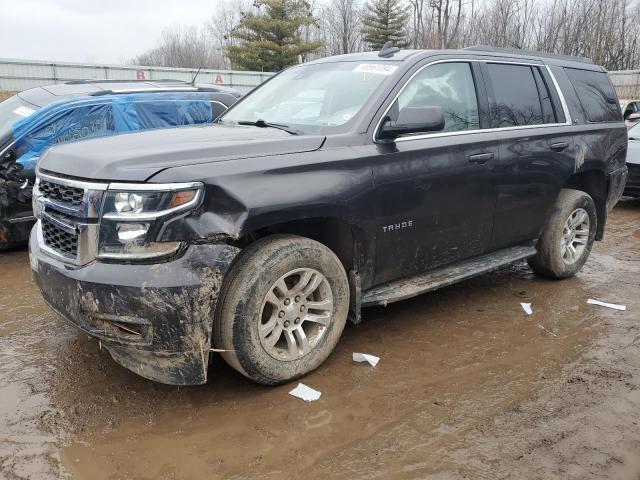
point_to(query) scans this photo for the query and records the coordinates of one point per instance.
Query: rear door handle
(558, 147)
(480, 157)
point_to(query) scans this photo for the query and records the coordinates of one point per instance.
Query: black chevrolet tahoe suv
(338, 184)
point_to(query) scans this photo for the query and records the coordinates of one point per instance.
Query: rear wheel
(568, 236)
(282, 309)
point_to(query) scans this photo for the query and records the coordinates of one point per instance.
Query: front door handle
(480, 157)
(558, 147)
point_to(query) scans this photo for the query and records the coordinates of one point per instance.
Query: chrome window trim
(28, 218)
(563, 102)
(7, 148)
(221, 104)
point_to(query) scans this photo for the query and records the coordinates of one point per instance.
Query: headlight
(133, 217)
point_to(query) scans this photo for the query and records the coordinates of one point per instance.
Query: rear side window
(518, 101)
(596, 95)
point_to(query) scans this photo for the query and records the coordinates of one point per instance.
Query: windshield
(316, 98)
(12, 110)
(634, 132)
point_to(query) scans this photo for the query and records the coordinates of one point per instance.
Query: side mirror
(413, 120)
(634, 117)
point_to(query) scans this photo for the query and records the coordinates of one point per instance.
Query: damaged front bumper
(155, 320)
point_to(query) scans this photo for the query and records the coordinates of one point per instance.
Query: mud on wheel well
(335, 234)
(340, 237)
(594, 183)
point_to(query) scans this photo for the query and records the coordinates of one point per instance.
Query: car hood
(633, 152)
(138, 156)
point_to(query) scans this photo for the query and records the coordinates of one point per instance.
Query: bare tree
(189, 47)
(340, 22)
(607, 31)
(223, 25)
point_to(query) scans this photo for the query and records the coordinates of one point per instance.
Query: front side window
(449, 86)
(314, 98)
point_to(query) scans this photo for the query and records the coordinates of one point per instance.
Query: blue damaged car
(41, 117)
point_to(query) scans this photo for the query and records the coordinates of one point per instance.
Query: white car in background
(632, 189)
(630, 111)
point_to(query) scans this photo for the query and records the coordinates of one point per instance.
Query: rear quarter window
(596, 95)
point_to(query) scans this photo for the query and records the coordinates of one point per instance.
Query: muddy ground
(468, 386)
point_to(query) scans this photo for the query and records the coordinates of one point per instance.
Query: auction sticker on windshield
(23, 111)
(379, 68)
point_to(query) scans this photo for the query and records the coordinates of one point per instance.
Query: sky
(96, 31)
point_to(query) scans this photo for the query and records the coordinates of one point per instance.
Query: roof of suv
(41, 96)
(480, 50)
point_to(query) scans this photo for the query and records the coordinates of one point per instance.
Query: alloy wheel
(296, 312)
(575, 236)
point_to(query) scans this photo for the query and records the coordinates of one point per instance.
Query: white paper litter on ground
(365, 357)
(307, 394)
(591, 301)
(527, 308)
(541, 327)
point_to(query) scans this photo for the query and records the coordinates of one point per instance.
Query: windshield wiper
(634, 138)
(262, 124)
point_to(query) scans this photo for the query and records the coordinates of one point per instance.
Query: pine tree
(271, 39)
(383, 21)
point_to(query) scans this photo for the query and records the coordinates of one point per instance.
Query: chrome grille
(63, 242)
(68, 217)
(61, 193)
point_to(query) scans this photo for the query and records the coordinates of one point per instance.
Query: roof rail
(108, 80)
(167, 89)
(117, 91)
(516, 51)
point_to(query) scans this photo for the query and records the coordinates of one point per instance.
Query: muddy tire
(568, 236)
(282, 309)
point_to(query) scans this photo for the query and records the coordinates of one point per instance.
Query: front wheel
(282, 309)
(568, 236)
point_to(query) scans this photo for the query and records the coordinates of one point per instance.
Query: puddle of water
(29, 436)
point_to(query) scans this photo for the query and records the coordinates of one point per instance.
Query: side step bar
(442, 277)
